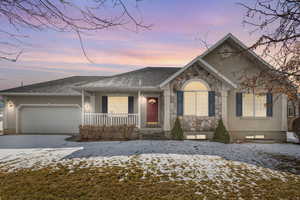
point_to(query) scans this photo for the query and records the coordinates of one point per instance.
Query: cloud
(141, 53)
(170, 42)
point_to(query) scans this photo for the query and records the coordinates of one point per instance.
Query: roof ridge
(150, 77)
(132, 71)
(163, 67)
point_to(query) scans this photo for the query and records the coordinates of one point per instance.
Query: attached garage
(49, 119)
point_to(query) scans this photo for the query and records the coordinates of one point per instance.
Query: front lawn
(134, 179)
(48, 167)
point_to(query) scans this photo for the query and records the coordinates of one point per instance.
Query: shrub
(118, 132)
(177, 132)
(296, 126)
(221, 134)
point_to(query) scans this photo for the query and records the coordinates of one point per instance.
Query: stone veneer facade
(196, 123)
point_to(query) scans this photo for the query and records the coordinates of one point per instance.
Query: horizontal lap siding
(237, 123)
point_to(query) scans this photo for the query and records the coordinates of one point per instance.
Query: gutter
(35, 94)
(118, 89)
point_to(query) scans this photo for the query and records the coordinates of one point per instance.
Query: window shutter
(239, 104)
(211, 103)
(269, 104)
(179, 103)
(130, 104)
(104, 104)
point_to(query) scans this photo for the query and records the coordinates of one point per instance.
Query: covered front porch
(113, 108)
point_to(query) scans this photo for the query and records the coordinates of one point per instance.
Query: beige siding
(254, 123)
(234, 67)
(17, 100)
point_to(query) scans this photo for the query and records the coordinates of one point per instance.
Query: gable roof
(204, 64)
(148, 78)
(231, 37)
(60, 87)
(210, 68)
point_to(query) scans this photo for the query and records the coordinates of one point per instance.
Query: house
(202, 92)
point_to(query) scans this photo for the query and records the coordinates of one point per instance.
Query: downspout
(82, 107)
(139, 104)
(5, 115)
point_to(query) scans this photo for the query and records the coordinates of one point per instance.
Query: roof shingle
(149, 77)
(59, 86)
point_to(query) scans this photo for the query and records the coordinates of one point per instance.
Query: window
(195, 99)
(117, 104)
(248, 105)
(254, 105)
(291, 110)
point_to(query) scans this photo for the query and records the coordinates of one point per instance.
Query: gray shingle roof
(59, 86)
(149, 77)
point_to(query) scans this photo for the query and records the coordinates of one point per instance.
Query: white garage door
(50, 119)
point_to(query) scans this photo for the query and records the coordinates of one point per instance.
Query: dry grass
(132, 182)
(287, 163)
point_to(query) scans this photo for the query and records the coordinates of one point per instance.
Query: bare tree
(61, 16)
(278, 24)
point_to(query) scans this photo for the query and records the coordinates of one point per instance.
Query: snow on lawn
(185, 160)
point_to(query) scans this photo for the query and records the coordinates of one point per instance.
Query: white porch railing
(100, 119)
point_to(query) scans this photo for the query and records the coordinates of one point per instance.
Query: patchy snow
(188, 159)
(292, 137)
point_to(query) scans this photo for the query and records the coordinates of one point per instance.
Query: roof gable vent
(226, 51)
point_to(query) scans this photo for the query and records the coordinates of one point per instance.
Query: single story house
(202, 92)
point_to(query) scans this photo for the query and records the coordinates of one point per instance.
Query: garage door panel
(49, 119)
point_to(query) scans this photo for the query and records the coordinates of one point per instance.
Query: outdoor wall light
(152, 101)
(87, 107)
(10, 104)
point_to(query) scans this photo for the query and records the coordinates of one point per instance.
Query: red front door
(152, 110)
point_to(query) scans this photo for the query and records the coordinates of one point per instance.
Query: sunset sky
(171, 41)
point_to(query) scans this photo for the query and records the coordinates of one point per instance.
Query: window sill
(197, 116)
(255, 118)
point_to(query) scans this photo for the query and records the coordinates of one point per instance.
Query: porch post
(167, 108)
(5, 117)
(17, 119)
(82, 107)
(284, 122)
(93, 109)
(139, 109)
(224, 96)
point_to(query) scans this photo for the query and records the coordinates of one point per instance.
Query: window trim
(116, 96)
(196, 91)
(294, 111)
(195, 80)
(254, 108)
(197, 115)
